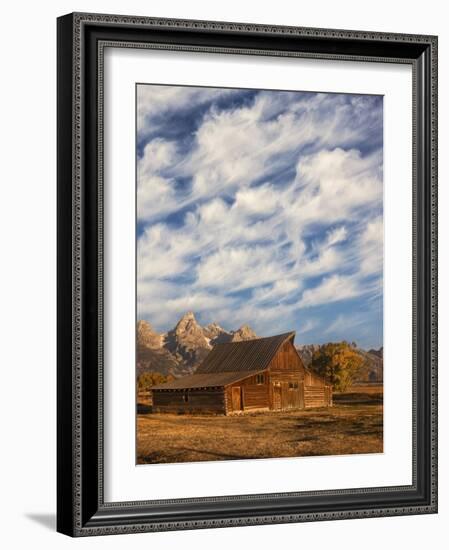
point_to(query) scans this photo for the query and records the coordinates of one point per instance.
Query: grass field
(353, 425)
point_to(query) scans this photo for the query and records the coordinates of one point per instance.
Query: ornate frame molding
(81, 41)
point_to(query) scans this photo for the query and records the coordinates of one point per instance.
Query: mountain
(215, 334)
(306, 351)
(187, 342)
(243, 333)
(151, 355)
(379, 352)
(372, 367)
(179, 351)
(147, 337)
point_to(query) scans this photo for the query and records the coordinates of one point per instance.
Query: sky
(263, 208)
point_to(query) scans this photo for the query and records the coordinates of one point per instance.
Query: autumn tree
(149, 379)
(338, 362)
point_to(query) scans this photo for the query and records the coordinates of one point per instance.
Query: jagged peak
(244, 328)
(245, 332)
(188, 316)
(147, 336)
(142, 323)
(214, 325)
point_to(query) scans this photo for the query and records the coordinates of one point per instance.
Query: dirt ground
(353, 425)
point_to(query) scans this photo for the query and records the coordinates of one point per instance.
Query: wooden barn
(260, 374)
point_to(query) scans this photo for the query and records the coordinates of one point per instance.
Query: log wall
(207, 401)
(317, 396)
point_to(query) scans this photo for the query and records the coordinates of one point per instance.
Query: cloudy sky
(261, 207)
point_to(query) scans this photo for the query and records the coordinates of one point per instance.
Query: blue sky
(261, 207)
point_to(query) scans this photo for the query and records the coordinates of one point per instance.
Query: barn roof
(247, 355)
(230, 362)
(204, 380)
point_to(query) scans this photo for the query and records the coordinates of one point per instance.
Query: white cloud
(331, 289)
(337, 235)
(153, 194)
(308, 325)
(258, 200)
(371, 247)
(333, 184)
(246, 228)
(159, 256)
(278, 291)
(157, 155)
(238, 268)
(343, 324)
(154, 100)
(327, 260)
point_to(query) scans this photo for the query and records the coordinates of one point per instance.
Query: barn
(259, 374)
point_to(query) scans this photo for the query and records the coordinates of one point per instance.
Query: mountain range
(179, 351)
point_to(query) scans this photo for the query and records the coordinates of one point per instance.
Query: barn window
(293, 385)
(260, 378)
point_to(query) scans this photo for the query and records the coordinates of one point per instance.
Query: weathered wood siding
(207, 401)
(286, 373)
(254, 395)
(287, 359)
(294, 387)
(317, 396)
(329, 402)
(312, 379)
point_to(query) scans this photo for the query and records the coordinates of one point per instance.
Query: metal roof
(248, 355)
(212, 380)
(230, 362)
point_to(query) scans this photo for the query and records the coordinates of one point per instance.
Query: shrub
(149, 379)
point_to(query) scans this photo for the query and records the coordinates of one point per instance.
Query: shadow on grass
(179, 456)
(358, 399)
(143, 409)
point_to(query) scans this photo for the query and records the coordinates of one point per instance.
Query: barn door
(236, 398)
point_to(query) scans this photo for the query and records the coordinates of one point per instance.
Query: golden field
(353, 425)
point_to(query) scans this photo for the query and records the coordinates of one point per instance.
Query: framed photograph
(247, 274)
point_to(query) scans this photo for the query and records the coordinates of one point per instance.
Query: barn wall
(253, 395)
(294, 387)
(312, 379)
(317, 396)
(286, 376)
(287, 360)
(207, 401)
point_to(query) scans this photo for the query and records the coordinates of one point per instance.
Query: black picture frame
(81, 510)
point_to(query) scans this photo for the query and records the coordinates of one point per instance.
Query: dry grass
(353, 425)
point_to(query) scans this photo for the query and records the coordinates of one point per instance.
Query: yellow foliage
(338, 363)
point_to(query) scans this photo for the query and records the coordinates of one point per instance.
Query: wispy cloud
(262, 208)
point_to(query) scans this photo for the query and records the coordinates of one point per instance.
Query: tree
(149, 379)
(338, 363)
